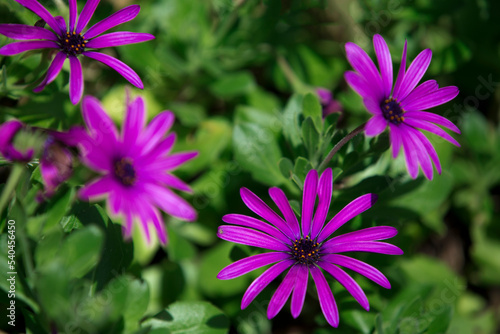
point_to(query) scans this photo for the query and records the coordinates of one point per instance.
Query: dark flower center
(125, 172)
(392, 111)
(72, 43)
(305, 251)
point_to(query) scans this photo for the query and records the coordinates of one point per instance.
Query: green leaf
(310, 135)
(312, 108)
(189, 317)
(270, 120)
(291, 128)
(257, 152)
(233, 84)
(302, 167)
(286, 167)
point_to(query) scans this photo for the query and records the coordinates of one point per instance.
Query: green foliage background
(221, 67)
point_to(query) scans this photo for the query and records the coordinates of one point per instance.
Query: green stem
(339, 145)
(15, 175)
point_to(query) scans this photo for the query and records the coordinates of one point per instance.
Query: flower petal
(123, 15)
(299, 292)
(415, 72)
(367, 234)
(360, 267)
(325, 295)
(395, 138)
(86, 14)
(100, 126)
(96, 189)
(419, 124)
(350, 211)
(259, 225)
(421, 90)
(324, 199)
(75, 80)
(361, 246)
(172, 181)
(246, 236)
(434, 118)
(422, 155)
(173, 161)
(118, 38)
(433, 99)
(363, 64)
(372, 106)
(254, 203)
(279, 197)
(170, 202)
(384, 63)
(281, 295)
(119, 66)
(44, 14)
(347, 282)
(26, 32)
(308, 200)
(19, 47)
(156, 130)
(430, 150)
(135, 120)
(375, 126)
(251, 263)
(73, 13)
(360, 85)
(401, 73)
(263, 280)
(410, 151)
(53, 71)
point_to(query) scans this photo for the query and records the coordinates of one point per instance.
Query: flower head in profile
(401, 107)
(8, 150)
(328, 104)
(72, 39)
(305, 248)
(135, 166)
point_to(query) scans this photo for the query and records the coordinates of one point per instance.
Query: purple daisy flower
(305, 248)
(135, 166)
(71, 41)
(328, 104)
(402, 107)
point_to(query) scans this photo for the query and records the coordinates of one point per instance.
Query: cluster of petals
(135, 166)
(305, 248)
(8, 131)
(403, 106)
(73, 39)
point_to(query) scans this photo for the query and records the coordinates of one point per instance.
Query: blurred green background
(230, 70)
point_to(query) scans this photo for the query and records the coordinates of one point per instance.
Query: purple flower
(71, 41)
(8, 131)
(401, 108)
(305, 249)
(135, 166)
(328, 104)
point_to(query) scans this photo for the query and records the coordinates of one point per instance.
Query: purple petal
(401, 73)
(246, 236)
(350, 211)
(410, 151)
(135, 120)
(259, 225)
(159, 225)
(61, 23)
(263, 280)
(19, 47)
(325, 96)
(254, 203)
(375, 126)
(396, 141)
(367, 234)
(152, 160)
(173, 161)
(279, 197)
(347, 282)
(87, 12)
(359, 85)
(361, 246)
(415, 72)
(118, 66)
(419, 124)
(281, 295)
(324, 199)
(118, 38)
(308, 200)
(144, 219)
(73, 12)
(431, 117)
(170, 202)
(433, 99)
(299, 292)
(326, 300)
(99, 124)
(123, 15)
(422, 155)
(362, 268)
(384, 63)
(44, 14)
(156, 130)
(363, 64)
(248, 264)
(430, 150)
(53, 71)
(25, 32)
(172, 181)
(97, 189)
(75, 80)
(425, 88)
(372, 106)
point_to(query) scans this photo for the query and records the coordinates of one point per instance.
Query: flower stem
(15, 175)
(339, 145)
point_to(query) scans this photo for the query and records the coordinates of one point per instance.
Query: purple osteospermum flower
(305, 249)
(402, 107)
(71, 41)
(135, 166)
(8, 130)
(328, 104)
